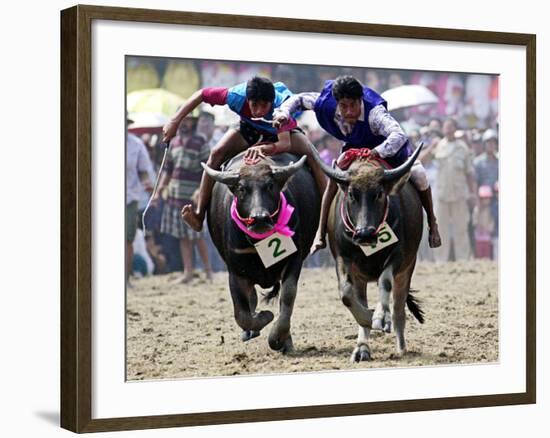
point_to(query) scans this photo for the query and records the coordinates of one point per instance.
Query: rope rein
(155, 188)
(348, 224)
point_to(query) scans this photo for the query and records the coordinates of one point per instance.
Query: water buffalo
(368, 196)
(256, 191)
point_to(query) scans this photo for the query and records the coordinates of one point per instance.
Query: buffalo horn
(338, 175)
(285, 172)
(227, 178)
(398, 172)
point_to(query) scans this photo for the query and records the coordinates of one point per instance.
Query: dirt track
(189, 330)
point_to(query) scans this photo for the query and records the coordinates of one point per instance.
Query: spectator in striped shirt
(181, 175)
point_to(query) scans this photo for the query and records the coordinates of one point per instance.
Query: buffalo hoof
(283, 346)
(288, 346)
(247, 335)
(360, 354)
(261, 319)
(382, 324)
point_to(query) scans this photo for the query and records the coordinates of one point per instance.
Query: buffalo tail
(413, 304)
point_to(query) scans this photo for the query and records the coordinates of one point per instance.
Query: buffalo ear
(343, 185)
(281, 180)
(233, 187)
(283, 174)
(392, 187)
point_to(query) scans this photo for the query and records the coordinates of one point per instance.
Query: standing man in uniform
(456, 190)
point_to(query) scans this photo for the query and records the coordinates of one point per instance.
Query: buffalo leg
(382, 316)
(353, 293)
(247, 335)
(242, 291)
(280, 338)
(350, 293)
(362, 351)
(400, 292)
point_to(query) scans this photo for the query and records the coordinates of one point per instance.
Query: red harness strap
(348, 157)
(250, 220)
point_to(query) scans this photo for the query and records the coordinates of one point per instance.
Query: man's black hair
(207, 115)
(452, 120)
(260, 89)
(347, 87)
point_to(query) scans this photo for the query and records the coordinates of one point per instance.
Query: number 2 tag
(275, 248)
(386, 237)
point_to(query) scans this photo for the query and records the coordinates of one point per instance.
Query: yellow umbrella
(156, 100)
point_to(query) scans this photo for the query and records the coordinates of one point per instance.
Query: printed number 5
(276, 251)
(384, 236)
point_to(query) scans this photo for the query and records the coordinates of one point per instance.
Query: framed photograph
(269, 218)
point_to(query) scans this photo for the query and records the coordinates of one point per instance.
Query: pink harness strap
(281, 226)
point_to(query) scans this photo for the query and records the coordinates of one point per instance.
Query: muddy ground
(177, 331)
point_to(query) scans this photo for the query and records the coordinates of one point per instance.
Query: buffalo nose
(262, 222)
(261, 217)
(365, 235)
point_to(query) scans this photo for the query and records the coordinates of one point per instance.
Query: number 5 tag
(386, 237)
(275, 248)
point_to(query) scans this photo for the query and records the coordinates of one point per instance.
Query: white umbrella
(406, 96)
(147, 120)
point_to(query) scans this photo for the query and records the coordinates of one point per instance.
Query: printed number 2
(276, 251)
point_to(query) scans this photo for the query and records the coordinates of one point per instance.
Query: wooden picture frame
(76, 218)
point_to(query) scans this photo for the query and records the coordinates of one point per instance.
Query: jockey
(359, 117)
(254, 101)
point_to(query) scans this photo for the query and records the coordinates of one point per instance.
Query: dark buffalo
(368, 194)
(258, 190)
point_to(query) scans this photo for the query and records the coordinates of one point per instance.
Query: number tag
(386, 237)
(275, 248)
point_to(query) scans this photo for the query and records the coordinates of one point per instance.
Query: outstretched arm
(295, 103)
(381, 122)
(171, 128)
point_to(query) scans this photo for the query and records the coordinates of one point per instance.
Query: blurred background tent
(156, 100)
(181, 78)
(141, 75)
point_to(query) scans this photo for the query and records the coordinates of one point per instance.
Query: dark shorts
(395, 161)
(253, 135)
(131, 221)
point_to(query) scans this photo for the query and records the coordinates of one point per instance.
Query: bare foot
(318, 244)
(208, 276)
(434, 239)
(184, 279)
(192, 218)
